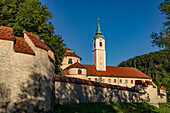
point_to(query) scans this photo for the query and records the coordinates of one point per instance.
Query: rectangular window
(103, 80)
(114, 80)
(89, 78)
(96, 79)
(109, 80)
(131, 81)
(126, 81)
(120, 80)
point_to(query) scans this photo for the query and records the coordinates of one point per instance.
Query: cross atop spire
(98, 32)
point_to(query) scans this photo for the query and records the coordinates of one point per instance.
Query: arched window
(79, 71)
(70, 61)
(94, 44)
(100, 44)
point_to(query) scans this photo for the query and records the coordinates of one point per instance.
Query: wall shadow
(36, 94)
(78, 93)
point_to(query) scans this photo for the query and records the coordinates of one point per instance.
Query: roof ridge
(62, 78)
(68, 48)
(36, 40)
(77, 65)
(6, 27)
(162, 87)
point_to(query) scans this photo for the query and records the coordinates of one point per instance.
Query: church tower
(99, 53)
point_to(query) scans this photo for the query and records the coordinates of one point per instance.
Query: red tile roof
(6, 33)
(148, 82)
(76, 65)
(21, 46)
(36, 40)
(67, 48)
(138, 82)
(60, 78)
(71, 53)
(66, 72)
(112, 71)
(144, 84)
(162, 87)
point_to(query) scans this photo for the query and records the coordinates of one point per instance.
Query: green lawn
(110, 107)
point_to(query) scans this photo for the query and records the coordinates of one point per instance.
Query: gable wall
(29, 79)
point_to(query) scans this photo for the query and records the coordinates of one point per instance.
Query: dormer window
(70, 61)
(100, 44)
(79, 71)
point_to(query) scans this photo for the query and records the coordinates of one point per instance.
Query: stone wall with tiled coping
(73, 90)
(26, 81)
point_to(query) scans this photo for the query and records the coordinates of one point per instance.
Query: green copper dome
(98, 32)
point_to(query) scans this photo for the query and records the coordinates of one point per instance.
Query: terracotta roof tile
(148, 82)
(162, 87)
(144, 84)
(76, 65)
(60, 78)
(21, 46)
(66, 72)
(36, 40)
(71, 53)
(67, 48)
(6, 33)
(112, 71)
(138, 82)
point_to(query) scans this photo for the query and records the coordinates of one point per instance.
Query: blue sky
(126, 25)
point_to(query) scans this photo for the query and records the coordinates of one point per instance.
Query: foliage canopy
(156, 64)
(32, 16)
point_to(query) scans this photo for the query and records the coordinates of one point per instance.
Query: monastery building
(122, 76)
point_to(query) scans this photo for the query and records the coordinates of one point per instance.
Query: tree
(32, 16)
(162, 39)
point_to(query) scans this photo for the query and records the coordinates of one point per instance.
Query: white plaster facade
(99, 54)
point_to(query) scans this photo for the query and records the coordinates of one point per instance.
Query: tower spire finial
(98, 32)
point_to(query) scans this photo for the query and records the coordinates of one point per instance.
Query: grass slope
(110, 107)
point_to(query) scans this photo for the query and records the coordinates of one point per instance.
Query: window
(96, 79)
(126, 81)
(120, 80)
(77, 60)
(70, 61)
(103, 80)
(100, 63)
(94, 44)
(114, 80)
(100, 44)
(109, 80)
(79, 71)
(89, 78)
(100, 57)
(131, 81)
